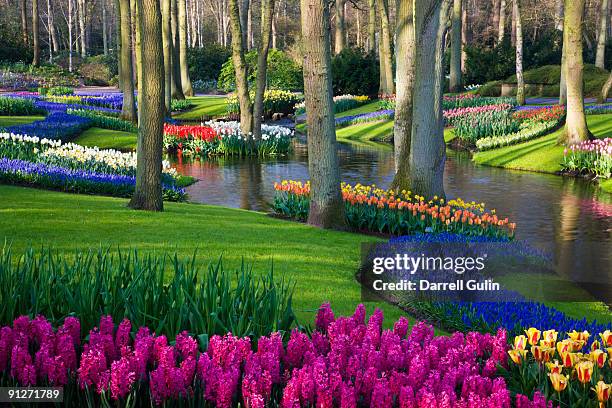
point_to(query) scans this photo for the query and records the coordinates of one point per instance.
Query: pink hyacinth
(122, 378)
(325, 316)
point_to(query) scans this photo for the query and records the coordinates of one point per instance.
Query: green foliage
(355, 72)
(275, 101)
(165, 293)
(471, 128)
(12, 48)
(205, 63)
(17, 107)
(283, 72)
(56, 91)
(100, 120)
(178, 105)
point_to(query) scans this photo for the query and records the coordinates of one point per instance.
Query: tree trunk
(427, 150)
(455, 65)
(267, 12)
(35, 33)
(466, 37)
(372, 26)
(148, 192)
(501, 30)
(386, 64)
(402, 126)
(495, 22)
(326, 206)
(104, 28)
(560, 14)
(81, 4)
(600, 60)
(70, 40)
(243, 9)
(177, 92)
(576, 129)
(520, 81)
(24, 22)
(605, 90)
(340, 37)
(138, 50)
(49, 28)
(128, 111)
(240, 68)
(185, 81)
(167, 45)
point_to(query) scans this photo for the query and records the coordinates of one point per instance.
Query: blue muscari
(514, 316)
(365, 117)
(57, 126)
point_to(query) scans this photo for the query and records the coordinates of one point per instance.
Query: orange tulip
(584, 369)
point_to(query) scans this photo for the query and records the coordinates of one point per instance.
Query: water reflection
(568, 217)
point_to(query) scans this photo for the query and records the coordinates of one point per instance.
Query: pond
(566, 216)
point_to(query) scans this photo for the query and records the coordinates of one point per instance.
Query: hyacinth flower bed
(225, 138)
(368, 208)
(346, 361)
(104, 121)
(56, 126)
(47, 163)
(377, 116)
(342, 103)
(570, 372)
(592, 157)
(275, 101)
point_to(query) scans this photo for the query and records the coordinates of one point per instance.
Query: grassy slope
(204, 106)
(6, 121)
(107, 139)
(322, 263)
(366, 132)
(541, 154)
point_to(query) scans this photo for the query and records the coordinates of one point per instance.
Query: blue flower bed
(57, 126)
(23, 172)
(365, 117)
(489, 316)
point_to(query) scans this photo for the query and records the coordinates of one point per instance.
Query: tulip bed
(368, 208)
(29, 160)
(275, 101)
(345, 361)
(225, 138)
(562, 370)
(342, 103)
(592, 157)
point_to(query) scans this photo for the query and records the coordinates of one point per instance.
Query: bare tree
(81, 7)
(501, 31)
(576, 129)
(340, 36)
(456, 84)
(520, 81)
(267, 12)
(240, 69)
(387, 86)
(427, 149)
(372, 25)
(128, 111)
(326, 206)
(35, 33)
(167, 47)
(148, 191)
(600, 60)
(70, 40)
(185, 80)
(402, 126)
(104, 28)
(24, 22)
(177, 85)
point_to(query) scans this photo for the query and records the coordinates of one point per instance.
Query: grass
(6, 121)
(107, 139)
(366, 132)
(541, 154)
(367, 108)
(606, 186)
(322, 263)
(205, 107)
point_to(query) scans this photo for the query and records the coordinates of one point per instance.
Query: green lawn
(322, 263)
(6, 121)
(205, 107)
(366, 132)
(107, 139)
(367, 108)
(541, 154)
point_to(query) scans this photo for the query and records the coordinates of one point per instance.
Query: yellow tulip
(542, 354)
(606, 337)
(517, 356)
(554, 367)
(570, 359)
(598, 357)
(584, 369)
(564, 346)
(533, 335)
(578, 336)
(559, 381)
(520, 342)
(550, 335)
(595, 345)
(603, 392)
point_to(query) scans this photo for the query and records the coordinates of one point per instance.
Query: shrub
(355, 72)
(205, 63)
(17, 106)
(275, 101)
(56, 91)
(342, 103)
(283, 72)
(97, 70)
(204, 85)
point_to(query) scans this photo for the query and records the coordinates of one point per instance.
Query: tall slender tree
(35, 33)
(82, 32)
(520, 80)
(559, 26)
(340, 37)
(104, 28)
(240, 69)
(402, 126)
(185, 80)
(371, 25)
(71, 42)
(456, 83)
(167, 46)
(576, 129)
(128, 111)
(326, 206)
(148, 192)
(427, 149)
(387, 86)
(177, 86)
(267, 12)
(24, 22)
(501, 30)
(602, 39)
